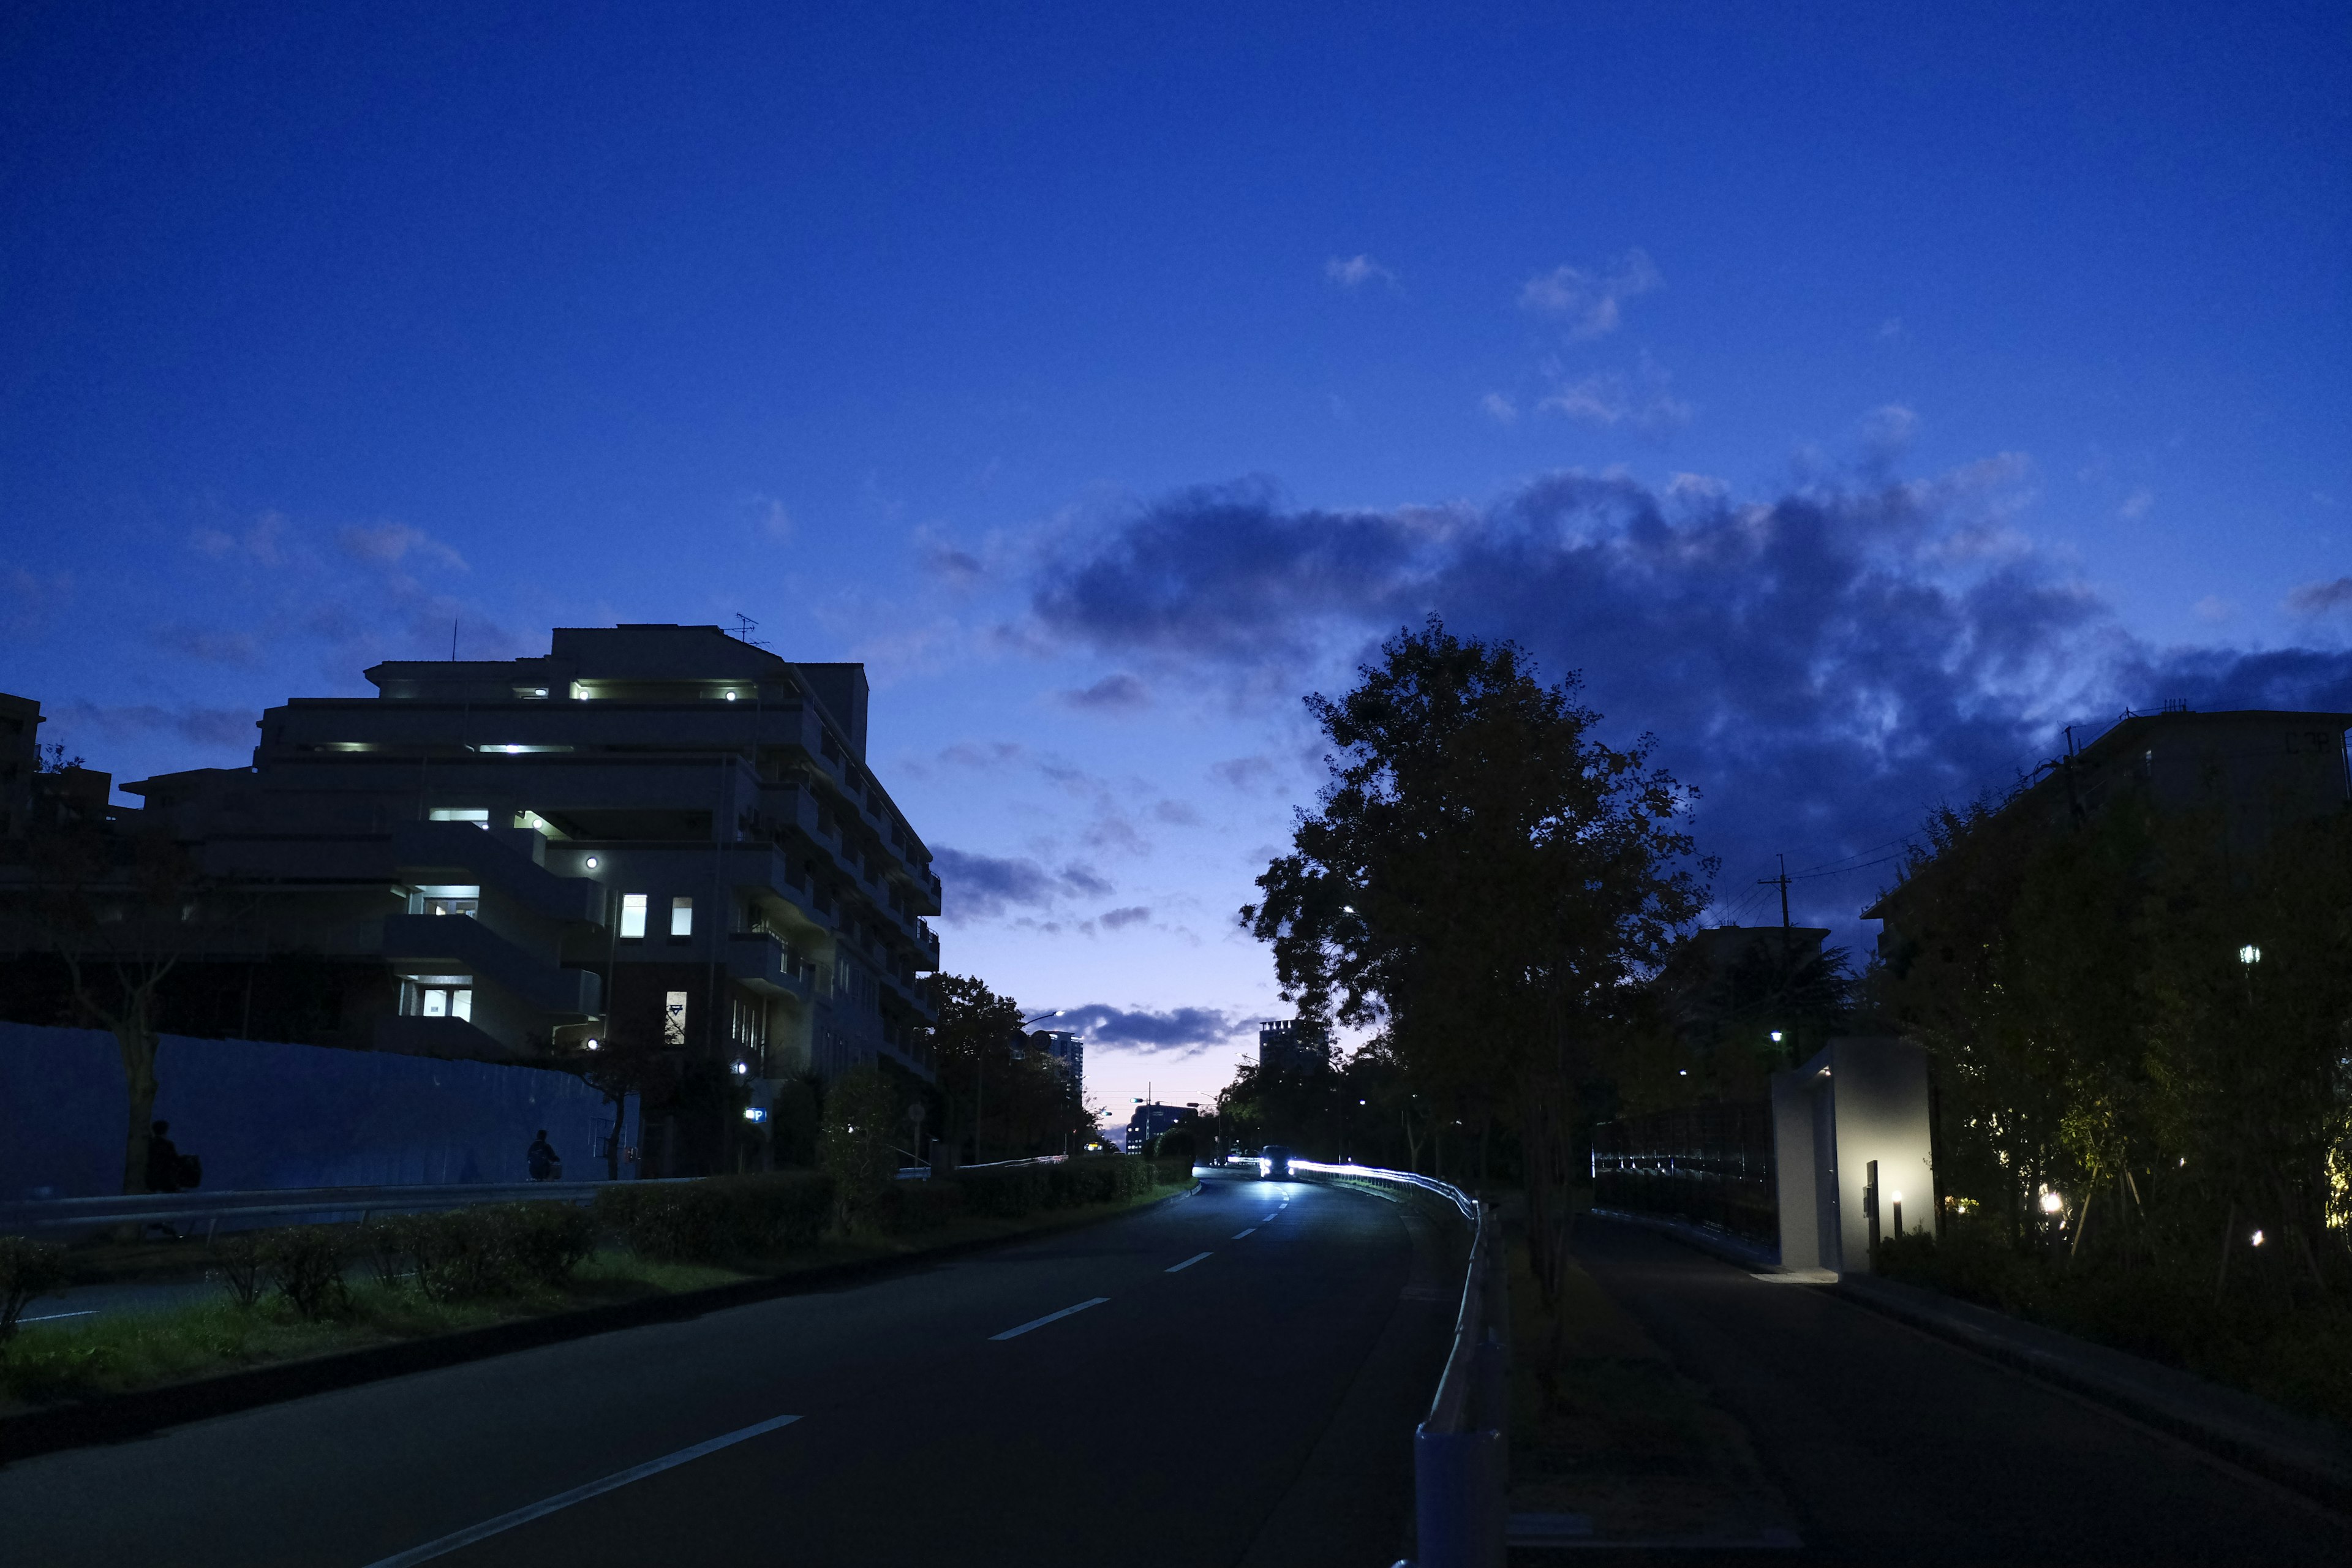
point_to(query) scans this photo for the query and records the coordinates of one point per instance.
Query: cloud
(1244, 773)
(1176, 814)
(1589, 302)
(1354, 271)
(1642, 402)
(2214, 609)
(1181, 1031)
(770, 518)
(1118, 693)
(1499, 408)
(982, 887)
(1134, 914)
(392, 543)
(1886, 433)
(221, 728)
(1890, 331)
(236, 649)
(2320, 598)
(31, 602)
(2135, 505)
(1825, 665)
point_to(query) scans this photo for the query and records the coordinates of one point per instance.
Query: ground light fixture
(2256, 1239)
(2250, 954)
(2052, 1202)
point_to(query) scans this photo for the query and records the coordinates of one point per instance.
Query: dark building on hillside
(655, 836)
(2255, 770)
(1068, 1051)
(1294, 1044)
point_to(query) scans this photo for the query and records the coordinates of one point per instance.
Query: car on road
(1274, 1163)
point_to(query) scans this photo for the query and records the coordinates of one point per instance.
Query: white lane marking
(1188, 1262)
(54, 1317)
(507, 1521)
(1272, 1217)
(1048, 1317)
(1239, 1234)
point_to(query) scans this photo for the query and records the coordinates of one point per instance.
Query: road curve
(1231, 1377)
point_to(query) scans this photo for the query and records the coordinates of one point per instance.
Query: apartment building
(658, 835)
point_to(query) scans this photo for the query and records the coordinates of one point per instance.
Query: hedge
(719, 1218)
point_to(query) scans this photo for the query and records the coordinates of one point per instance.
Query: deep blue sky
(1853, 393)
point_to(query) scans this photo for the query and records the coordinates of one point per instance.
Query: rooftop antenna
(744, 627)
(453, 640)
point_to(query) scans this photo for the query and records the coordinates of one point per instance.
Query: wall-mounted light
(743, 1068)
(592, 862)
(591, 1045)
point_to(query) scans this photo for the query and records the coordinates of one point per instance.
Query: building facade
(658, 836)
(1294, 1044)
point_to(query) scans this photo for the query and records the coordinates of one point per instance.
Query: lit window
(633, 914)
(681, 917)
(436, 1003)
(674, 1018)
(479, 815)
(461, 1003)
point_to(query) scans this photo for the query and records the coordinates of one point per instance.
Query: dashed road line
(1187, 1263)
(1048, 1317)
(507, 1521)
(1239, 1234)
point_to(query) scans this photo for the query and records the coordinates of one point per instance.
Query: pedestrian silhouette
(163, 1173)
(544, 1161)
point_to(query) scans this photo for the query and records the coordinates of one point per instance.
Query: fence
(1709, 1165)
(282, 1206)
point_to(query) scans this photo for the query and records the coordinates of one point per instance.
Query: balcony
(757, 959)
(424, 849)
(455, 943)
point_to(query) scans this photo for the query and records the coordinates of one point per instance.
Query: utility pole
(1781, 881)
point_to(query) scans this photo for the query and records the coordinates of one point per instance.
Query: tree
(623, 1063)
(1486, 880)
(120, 909)
(855, 1148)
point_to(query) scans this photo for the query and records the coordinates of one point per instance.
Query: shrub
(1005, 1191)
(307, 1264)
(543, 1242)
(454, 1254)
(719, 1218)
(384, 1241)
(237, 1264)
(861, 1119)
(27, 1269)
(913, 1207)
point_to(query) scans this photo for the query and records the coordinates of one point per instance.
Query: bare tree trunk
(138, 1043)
(620, 1124)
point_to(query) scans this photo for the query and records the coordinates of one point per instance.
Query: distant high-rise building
(1298, 1045)
(1066, 1051)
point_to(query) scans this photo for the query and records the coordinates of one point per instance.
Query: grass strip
(134, 1352)
(1602, 1425)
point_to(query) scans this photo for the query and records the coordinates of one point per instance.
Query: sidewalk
(2314, 1457)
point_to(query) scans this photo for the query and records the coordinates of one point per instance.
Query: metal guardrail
(1461, 1452)
(40, 1215)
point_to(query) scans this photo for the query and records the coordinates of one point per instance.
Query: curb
(2305, 1455)
(112, 1418)
(1721, 1244)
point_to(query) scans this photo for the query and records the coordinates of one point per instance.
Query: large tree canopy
(1484, 878)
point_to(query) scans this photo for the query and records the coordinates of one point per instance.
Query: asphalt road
(1237, 1384)
(1894, 1446)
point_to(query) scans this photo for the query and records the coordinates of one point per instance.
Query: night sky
(1854, 395)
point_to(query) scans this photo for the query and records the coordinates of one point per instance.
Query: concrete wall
(264, 1115)
(1856, 1101)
